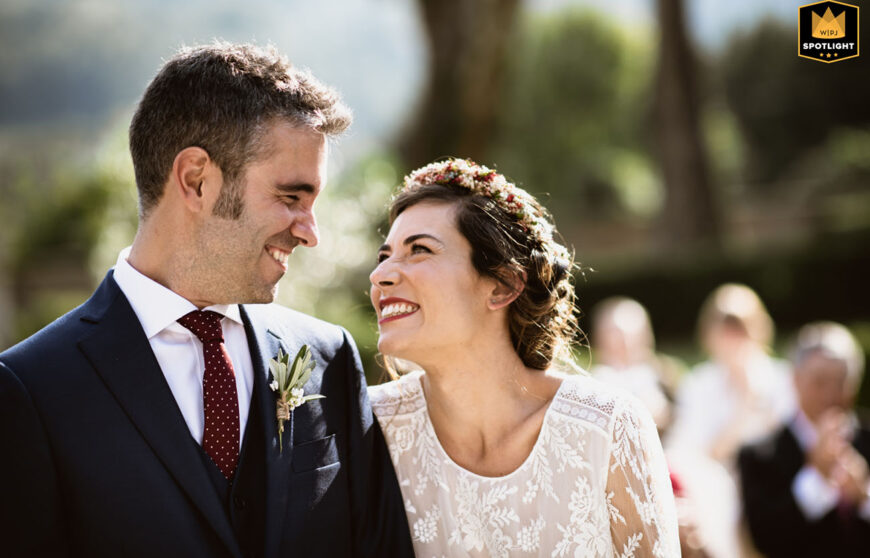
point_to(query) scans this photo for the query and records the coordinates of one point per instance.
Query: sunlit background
(680, 144)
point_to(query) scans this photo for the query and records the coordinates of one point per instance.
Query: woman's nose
(384, 275)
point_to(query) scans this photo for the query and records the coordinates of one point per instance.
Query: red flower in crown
(481, 180)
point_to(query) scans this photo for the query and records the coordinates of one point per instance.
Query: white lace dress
(595, 484)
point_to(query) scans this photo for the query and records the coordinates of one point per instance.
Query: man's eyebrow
(410, 240)
(295, 188)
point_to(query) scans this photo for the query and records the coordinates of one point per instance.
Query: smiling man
(142, 423)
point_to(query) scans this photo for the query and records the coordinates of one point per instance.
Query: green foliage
(43, 309)
(787, 105)
(65, 222)
(572, 122)
(58, 217)
(50, 249)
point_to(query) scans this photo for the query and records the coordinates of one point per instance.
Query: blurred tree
(51, 252)
(787, 105)
(58, 213)
(689, 213)
(468, 41)
(572, 118)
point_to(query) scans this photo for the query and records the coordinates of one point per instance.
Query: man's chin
(256, 294)
(265, 296)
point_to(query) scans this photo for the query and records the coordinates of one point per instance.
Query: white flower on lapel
(288, 381)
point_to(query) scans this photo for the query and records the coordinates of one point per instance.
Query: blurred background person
(708, 506)
(805, 488)
(624, 353)
(623, 347)
(741, 392)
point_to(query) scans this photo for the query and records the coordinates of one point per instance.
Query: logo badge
(828, 31)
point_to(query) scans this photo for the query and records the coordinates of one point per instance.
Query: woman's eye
(420, 249)
(382, 257)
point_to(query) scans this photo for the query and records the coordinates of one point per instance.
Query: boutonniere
(287, 382)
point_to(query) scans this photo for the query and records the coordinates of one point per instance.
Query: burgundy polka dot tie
(220, 398)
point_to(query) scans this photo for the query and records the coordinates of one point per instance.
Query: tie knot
(205, 324)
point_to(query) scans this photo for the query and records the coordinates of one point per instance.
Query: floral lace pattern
(594, 485)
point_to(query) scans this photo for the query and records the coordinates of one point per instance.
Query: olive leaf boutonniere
(288, 380)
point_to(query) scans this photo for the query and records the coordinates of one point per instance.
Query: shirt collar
(156, 306)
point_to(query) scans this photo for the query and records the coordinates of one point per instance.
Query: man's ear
(503, 294)
(191, 168)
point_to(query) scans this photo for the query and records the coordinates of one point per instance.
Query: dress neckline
(430, 428)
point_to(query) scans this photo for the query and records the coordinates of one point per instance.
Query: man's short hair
(223, 97)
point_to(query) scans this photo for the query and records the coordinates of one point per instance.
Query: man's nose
(304, 228)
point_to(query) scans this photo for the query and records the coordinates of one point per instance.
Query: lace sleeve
(643, 518)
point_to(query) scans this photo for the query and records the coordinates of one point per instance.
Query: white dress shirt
(814, 494)
(178, 351)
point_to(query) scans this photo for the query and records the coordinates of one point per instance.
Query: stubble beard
(225, 266)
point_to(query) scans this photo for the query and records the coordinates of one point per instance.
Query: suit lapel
(122, 356)
(264, 344)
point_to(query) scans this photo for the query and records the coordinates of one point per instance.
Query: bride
(497, 452)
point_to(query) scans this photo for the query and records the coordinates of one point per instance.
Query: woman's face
(729, 344)
(428, 297)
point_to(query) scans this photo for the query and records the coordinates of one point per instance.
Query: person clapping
(805, 488)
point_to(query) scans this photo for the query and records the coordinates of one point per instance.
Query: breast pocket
(315, 454)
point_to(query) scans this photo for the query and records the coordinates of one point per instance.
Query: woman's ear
(505, 292)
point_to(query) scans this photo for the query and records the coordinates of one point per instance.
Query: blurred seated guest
(741, 393)
(624, 351)
(805, 489)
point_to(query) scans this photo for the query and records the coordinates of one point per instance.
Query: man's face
(821, 385)
(242, 260)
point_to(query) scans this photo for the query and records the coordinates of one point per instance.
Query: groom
(142, 423)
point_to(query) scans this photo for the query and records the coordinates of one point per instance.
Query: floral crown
(481, 180)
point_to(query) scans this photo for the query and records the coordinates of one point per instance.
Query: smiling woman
(496, 449)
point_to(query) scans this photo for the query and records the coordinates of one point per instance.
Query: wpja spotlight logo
(828, 32)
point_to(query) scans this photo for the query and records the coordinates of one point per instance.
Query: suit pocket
(315, 454)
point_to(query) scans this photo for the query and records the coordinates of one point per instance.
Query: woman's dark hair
(541, 320)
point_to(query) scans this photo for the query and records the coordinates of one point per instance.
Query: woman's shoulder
(397, 397)
(587, 399)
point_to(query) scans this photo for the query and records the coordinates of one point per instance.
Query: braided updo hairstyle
(512, 241)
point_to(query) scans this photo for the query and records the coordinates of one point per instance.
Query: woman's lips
(396, 308)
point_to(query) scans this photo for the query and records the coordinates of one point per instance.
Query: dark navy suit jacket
(776, 523)
(98, 461)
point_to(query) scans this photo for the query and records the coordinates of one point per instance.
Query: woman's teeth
(279, 256)
(393, 310)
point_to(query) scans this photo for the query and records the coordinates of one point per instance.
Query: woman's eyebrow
(415, 237)
(410, 240)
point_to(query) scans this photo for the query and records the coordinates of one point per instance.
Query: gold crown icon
(828, 26)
